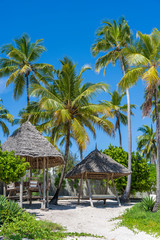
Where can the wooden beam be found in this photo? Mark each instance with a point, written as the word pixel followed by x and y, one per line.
pixel 81 189
pixel 89 192
pixel 21 193
pixel 44 186
pixel 119 203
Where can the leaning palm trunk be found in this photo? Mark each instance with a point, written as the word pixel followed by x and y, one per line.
pixel 158 158
pixel 54 200
pixel 126 193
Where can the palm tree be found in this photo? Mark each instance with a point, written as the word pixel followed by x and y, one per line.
pixel 118 111
pixel 5 117
pixel 145 59
pixel 147 143
pixel 65 108
pixel 112 39
pixel 20 66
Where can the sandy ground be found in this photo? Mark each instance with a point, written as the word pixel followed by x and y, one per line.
pixel 83 218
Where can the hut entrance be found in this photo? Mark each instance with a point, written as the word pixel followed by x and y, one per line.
pixel 97 166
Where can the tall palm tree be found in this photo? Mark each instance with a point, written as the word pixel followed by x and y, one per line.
pixel 145 59
pixel 21 68
pixel 112 39
pixel 118 111
pixel 147 143
pixel 4 117
pixel 65 107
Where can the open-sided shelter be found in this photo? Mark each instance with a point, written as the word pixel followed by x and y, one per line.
pixel 97 166
pixel 28 142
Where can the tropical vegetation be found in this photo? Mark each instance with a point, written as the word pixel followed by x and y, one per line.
pixel 147 143
pixel 118 111
pixel 112 40
pixel 64 108
pixel 20 65
pixel 144 59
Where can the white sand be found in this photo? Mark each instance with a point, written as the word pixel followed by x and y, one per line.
pixel 97 220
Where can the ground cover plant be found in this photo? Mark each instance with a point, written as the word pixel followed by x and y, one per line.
pixel 141 218
pixel 17 224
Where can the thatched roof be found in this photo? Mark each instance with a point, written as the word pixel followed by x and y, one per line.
pixel 28 142
pixel 98 166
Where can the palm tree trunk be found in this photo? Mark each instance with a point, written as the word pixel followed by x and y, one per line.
pixel 158 158
pixel 126 193
pixel 27 83
pixel 54 200
pixel 120 136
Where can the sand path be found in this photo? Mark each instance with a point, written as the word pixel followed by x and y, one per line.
pixel 97 220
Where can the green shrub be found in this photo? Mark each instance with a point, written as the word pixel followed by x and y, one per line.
pixel 12 167
pixel 140 170
pixel 26 226
pixel 148 203
pixel 8 210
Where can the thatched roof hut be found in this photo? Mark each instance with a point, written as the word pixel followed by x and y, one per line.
pixel 28 142
pixel 98 165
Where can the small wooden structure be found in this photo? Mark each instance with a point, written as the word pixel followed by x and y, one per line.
pixel 28 142
pixel 97 166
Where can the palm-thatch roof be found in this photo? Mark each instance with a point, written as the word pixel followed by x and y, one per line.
pixel 28 142
pixel 98 166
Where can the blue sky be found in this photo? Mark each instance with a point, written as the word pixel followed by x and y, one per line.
pixel 68 29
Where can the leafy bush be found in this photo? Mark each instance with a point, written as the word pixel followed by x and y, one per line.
pixel 140 170
pixel 12 167
pixel 148 203
pixel 8 210
pixel 26 226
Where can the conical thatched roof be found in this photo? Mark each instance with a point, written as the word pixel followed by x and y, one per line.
pixel 28 142
pixel 98 166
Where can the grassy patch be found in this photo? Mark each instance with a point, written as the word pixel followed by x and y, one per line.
pixel 137 218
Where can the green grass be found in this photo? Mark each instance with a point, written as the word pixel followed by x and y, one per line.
pixel 137 218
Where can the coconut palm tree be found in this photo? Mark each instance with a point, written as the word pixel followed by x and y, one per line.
pixel 118 111
pixel 4 117
pixel 145 59
pixel 20 65
pixel 65 108
pixel 147 143
pixel 112 40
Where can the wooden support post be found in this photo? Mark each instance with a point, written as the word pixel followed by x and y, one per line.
pixel 107 184
pixel 81 189
pixel 89 192
pixel 119 203
pixel 47 190
pixel 30 176
pixel 44 186
pixel 21 193
pixel 4 190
